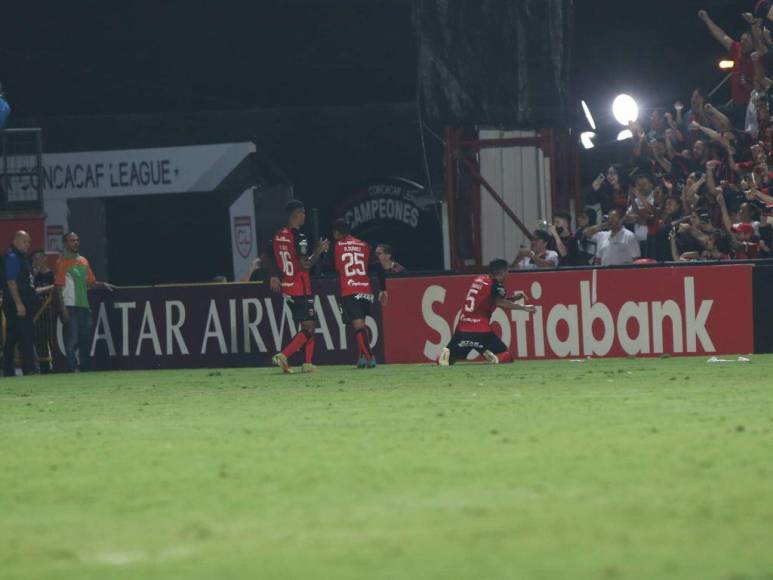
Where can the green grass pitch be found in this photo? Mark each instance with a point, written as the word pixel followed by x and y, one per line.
pixel 651 469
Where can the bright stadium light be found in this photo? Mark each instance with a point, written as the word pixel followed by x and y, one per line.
pixel 588 116
pixel 586 138
pixel 625 109
pixel 726 64
pixel 624 134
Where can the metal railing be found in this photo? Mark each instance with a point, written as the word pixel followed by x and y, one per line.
pixel 44 332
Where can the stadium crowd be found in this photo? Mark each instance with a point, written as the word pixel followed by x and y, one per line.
pixel 697 185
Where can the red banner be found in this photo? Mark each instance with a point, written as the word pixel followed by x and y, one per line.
pixel 580 313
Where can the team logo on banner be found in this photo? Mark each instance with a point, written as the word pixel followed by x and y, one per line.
pixel 243 235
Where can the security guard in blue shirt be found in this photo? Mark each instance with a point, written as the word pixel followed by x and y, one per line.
pixel 19 305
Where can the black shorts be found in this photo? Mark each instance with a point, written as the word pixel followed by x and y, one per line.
pixel 302 308
pixel 463 342
pixel 355 307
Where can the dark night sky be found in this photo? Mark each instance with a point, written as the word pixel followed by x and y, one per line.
pixel 139 56
pixel 144 56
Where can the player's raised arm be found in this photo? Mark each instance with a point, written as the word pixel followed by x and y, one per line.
pixel 308 262
pixel 719 34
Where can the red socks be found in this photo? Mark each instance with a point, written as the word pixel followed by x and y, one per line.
pixel 362 343
pixel 296 343
pixel 505 357
pixel 310 349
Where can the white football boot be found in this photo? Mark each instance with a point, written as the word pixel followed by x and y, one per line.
pixel 490 357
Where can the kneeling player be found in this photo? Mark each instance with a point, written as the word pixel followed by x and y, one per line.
pixel 474 332
pixel 352 262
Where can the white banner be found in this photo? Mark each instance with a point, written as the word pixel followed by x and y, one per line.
pixel 197 168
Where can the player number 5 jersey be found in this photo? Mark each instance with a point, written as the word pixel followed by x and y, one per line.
pixel 479 304
pixel 352 257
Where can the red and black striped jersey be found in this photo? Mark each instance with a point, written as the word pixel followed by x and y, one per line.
pixel 479 304
pixel 289 247
pixel 352 260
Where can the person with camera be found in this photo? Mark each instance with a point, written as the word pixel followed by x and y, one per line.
pixel 562 240
pixel 610 189
pixel 537 255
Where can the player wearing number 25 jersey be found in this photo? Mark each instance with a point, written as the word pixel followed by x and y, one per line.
pixel 474 332
pixel 290 276
pixel 351 258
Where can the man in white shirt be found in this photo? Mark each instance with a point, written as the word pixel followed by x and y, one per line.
pixel 615 245
pixel 538 256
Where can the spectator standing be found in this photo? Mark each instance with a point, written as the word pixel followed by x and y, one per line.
pixel 5 109
pixel 670 217
pixel 742 79
pixel 538 255
pixel 73 279
pixel 695 114
pixel 19 306
pixel 643 211
pixel 586 248
pixel 43 276
pixel 384 255
pixel 562 240
pixel 615 245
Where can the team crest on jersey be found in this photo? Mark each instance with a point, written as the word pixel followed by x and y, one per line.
pixel 303 247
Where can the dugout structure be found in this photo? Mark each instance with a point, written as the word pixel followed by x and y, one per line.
pixel 157 215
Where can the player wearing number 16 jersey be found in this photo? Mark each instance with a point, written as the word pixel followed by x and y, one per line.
pixel 351 258
pixel 474 332
pixel 290 276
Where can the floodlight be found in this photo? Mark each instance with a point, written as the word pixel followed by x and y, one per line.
pixel 625 109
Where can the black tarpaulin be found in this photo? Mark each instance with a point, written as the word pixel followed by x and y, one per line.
pixel 493 61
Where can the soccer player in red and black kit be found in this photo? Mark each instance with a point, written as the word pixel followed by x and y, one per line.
pixel 351 257
pixel 473 332
pixel 292 262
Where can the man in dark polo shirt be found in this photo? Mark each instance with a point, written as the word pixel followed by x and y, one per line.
pixel 19 306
